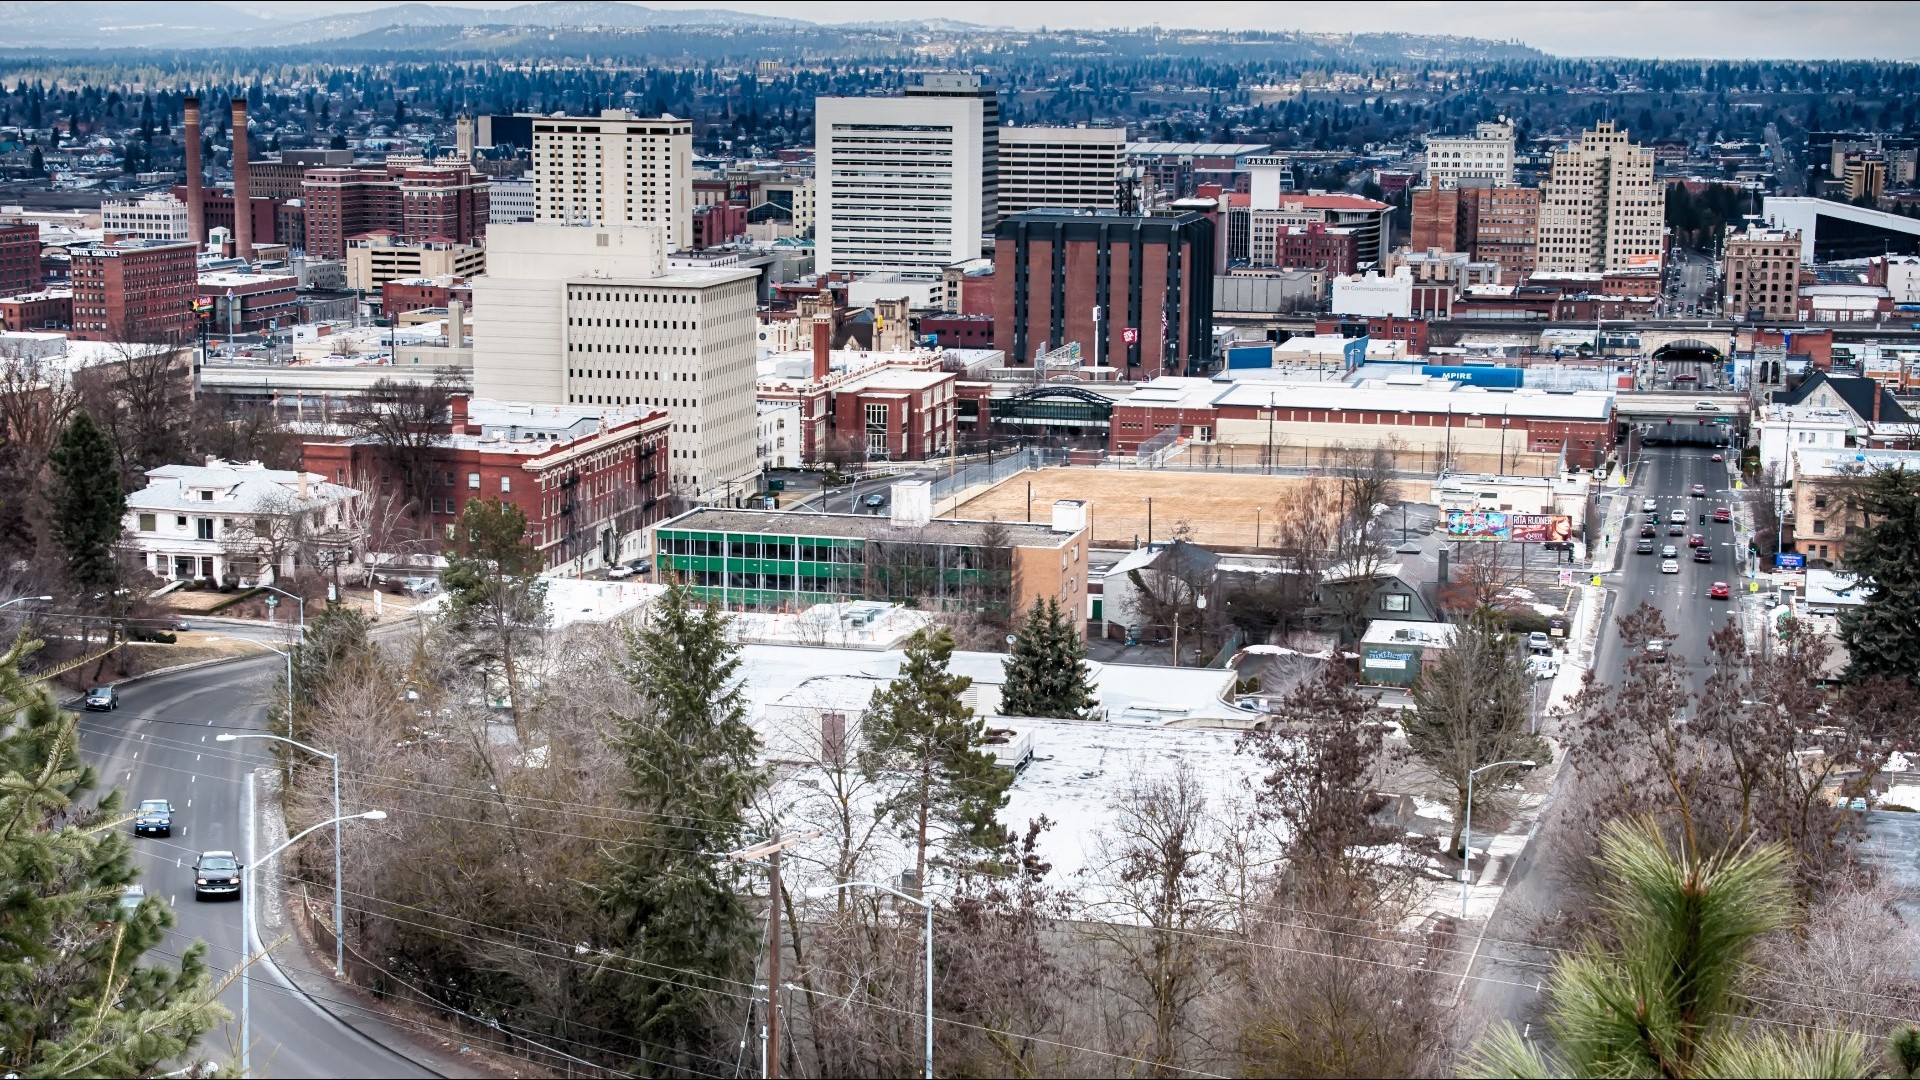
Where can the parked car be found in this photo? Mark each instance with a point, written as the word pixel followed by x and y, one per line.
pixel 1539 642
pixel 620 572
pixel 216 873
pixel 1718 591
pixel 1723 514
pixel 1645 547
pixel 1669 567
pixel 154 818
pixel 102 699
pixel 1703 554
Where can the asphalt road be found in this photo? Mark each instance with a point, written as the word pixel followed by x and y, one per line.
pixel 1506 976
pixel 1693 284
pixel 160 744
pixel 852 499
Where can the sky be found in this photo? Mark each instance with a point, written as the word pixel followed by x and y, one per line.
pixel 1690 28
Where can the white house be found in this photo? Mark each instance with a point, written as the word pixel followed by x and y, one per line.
pixel 240 523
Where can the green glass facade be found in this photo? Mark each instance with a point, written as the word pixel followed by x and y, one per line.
pixel 770 571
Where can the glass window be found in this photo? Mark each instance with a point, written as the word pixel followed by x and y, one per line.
pixel 146 523
pixel 1396 602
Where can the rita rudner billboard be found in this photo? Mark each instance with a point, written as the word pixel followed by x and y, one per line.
pixel 1503 526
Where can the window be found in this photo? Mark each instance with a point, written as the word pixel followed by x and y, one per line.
pixel 1400 602
pixel 206 495
pixel 506 484
pixel 473 480
pixel 146 523
pixel 180 521
pixel 203 528
pixel 1819 526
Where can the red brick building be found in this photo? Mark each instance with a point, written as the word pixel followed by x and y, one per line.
pixel 1315 247
pixel 589 486
pixel 401 295
pixel 958 331
pixel 134 290
pixel 270 216
pixel 1379 328
pixel 1492 224
pixel 717 223
pixel 895 407
pixel 19 258
pixel 48 309
pixel 1151 279
pixel 412 201
pixel 249 303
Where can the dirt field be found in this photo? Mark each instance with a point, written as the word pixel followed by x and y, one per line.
pixel 1227 457
pixel 1220 506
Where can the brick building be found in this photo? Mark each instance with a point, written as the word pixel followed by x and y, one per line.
pixel 19 257
pixel 413 201
pixel 590 481
pixel 863 406
pixel 1306 247
pixel 1379 328
pixel 1491 224
pixel 1762 274
pixel 717 223
pixel 1151 279
pixel 272 218
pixel 249 303
pixel 133 290
pixel 402 295
pixel 48 309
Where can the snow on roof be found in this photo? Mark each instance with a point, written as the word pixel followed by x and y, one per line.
pixel 237 488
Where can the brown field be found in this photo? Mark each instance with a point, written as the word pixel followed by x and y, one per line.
pixel 1221 507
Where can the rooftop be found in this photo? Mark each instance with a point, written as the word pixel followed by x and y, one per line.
pixel 237 487
pixel 947 531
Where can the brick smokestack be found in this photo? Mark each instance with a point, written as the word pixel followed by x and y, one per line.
pixel 822 344
pixel 242 198
pixel 196 199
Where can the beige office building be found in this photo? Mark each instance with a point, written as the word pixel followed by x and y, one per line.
pixel 592 315
pixel 378 258
pixel 1762 274
pixel 1062 167
pixel 615 169
pixel 1600 210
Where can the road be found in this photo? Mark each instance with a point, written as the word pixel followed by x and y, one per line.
pixel 160 744
pixel 1506 975
pixel 1790 173
pixel 1692 285
pixel 852 498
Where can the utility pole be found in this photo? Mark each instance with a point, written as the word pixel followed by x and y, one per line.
pixel 770 851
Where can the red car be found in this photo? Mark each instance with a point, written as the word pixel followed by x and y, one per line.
pixel 1718 591
pixel 1717 457
pixel 1699 491
pixel 1696 540
pixel 1723 513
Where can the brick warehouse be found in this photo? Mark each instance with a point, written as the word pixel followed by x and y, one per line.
pixel 1150 277
pixel 590 480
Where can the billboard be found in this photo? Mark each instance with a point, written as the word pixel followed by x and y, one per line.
pixel 1500 525
pixel 1785 560
pixel 1354 352
pixel 1250 356
pixel 1476 375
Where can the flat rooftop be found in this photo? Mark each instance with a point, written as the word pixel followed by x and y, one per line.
pixel 956 531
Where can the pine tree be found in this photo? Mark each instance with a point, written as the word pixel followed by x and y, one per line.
pixel 1882 636
pixel 685 932
pixel 494 592
pixel 919 733
pixel 88 503
pixel 1047 672
pixel 74 998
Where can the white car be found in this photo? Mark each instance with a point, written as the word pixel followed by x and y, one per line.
pixel 1705 406
pixel 1648 506
pixel 1670 566
pixel 1678 517
pixel 619 572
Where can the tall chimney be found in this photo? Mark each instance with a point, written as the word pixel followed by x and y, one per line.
pixel 822 344
pixel 242 197
pixel 196 198
pixel 456 320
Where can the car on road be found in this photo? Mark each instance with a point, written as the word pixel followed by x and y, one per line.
pixel 216 873
pixel 1668 551
pixel 1696 540
pixel 619 572
pixel 1676 529
pixel 1648 506
pixel 1539 642
pixel 1678 517
pixel 1699 491
pixel 1669 566
pixel 874 501
pixel 1705 406
pixel 1648 530
pixel 1718 591
pixel 1645 547
pixel 1655 651
pixel 1718 457
pixel 154 818
pixel 1703 554
pixel 102 699
pixel 130 898
pixel 1543 667
pixel 1723 514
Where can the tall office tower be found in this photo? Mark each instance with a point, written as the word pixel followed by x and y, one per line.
pixel 615 169
pixel 906 184
pixel 1599 209
pixel 591 315
pixel 1493 224
pixel 1487 154
pixel 1075 168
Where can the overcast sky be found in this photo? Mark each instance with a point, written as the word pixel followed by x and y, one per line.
pixel 1731 30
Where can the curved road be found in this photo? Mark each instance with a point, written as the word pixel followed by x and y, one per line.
pixel 160 744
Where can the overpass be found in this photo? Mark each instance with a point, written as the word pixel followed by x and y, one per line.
pixel 1677 418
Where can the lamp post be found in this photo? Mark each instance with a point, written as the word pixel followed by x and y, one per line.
pixel 25 599
pixel 924 903
pixel 287 654
pixel 1466 835
pixel 296 599
pixel 339 916
pixel 246 918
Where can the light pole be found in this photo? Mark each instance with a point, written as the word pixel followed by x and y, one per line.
pixel 24 599
pixel 339 909
pixel 296 599
pixel 828 890
pixel 288 655
pixel 1466 835
pixel 246 919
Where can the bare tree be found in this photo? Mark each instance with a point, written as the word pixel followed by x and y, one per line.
pixel 242 431
pixel 1365 475
pixel 406 419
pixel 1767 498
pixel 36 401
pixel 142 397
pixel 1174 592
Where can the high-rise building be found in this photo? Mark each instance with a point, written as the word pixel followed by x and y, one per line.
pixel 906 184
pixel 134 290
pixel 615 169
pixel 1865 176
pixel 405 196
pixel 377 258
pixel 19 258
pixel 1762 273
pixel 1599 209
pixel 1368 220
pixel 156 216
pixel 1487 154
pixel 510 200
pixel 1136 293
pixel 1069 167
pixel 1497 224
pixel 591 315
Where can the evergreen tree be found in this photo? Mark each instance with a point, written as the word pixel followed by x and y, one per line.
pixel 922 737
pixel 74 998
pixel 1047 671
pixel 87 503
pixel 686 934
pixel 1882 636
pixel 494 593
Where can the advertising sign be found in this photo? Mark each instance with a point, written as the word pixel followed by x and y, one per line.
pixel 1789 561
pixel 1501 525
pixel 1355 352
pixel 1130 335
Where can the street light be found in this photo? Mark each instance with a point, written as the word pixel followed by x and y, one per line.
pixel 296 599
pixel 288 654
pixel 24 599
pixel 246 919
pixel 1466 836
pixel 828 890
pixel 339 917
